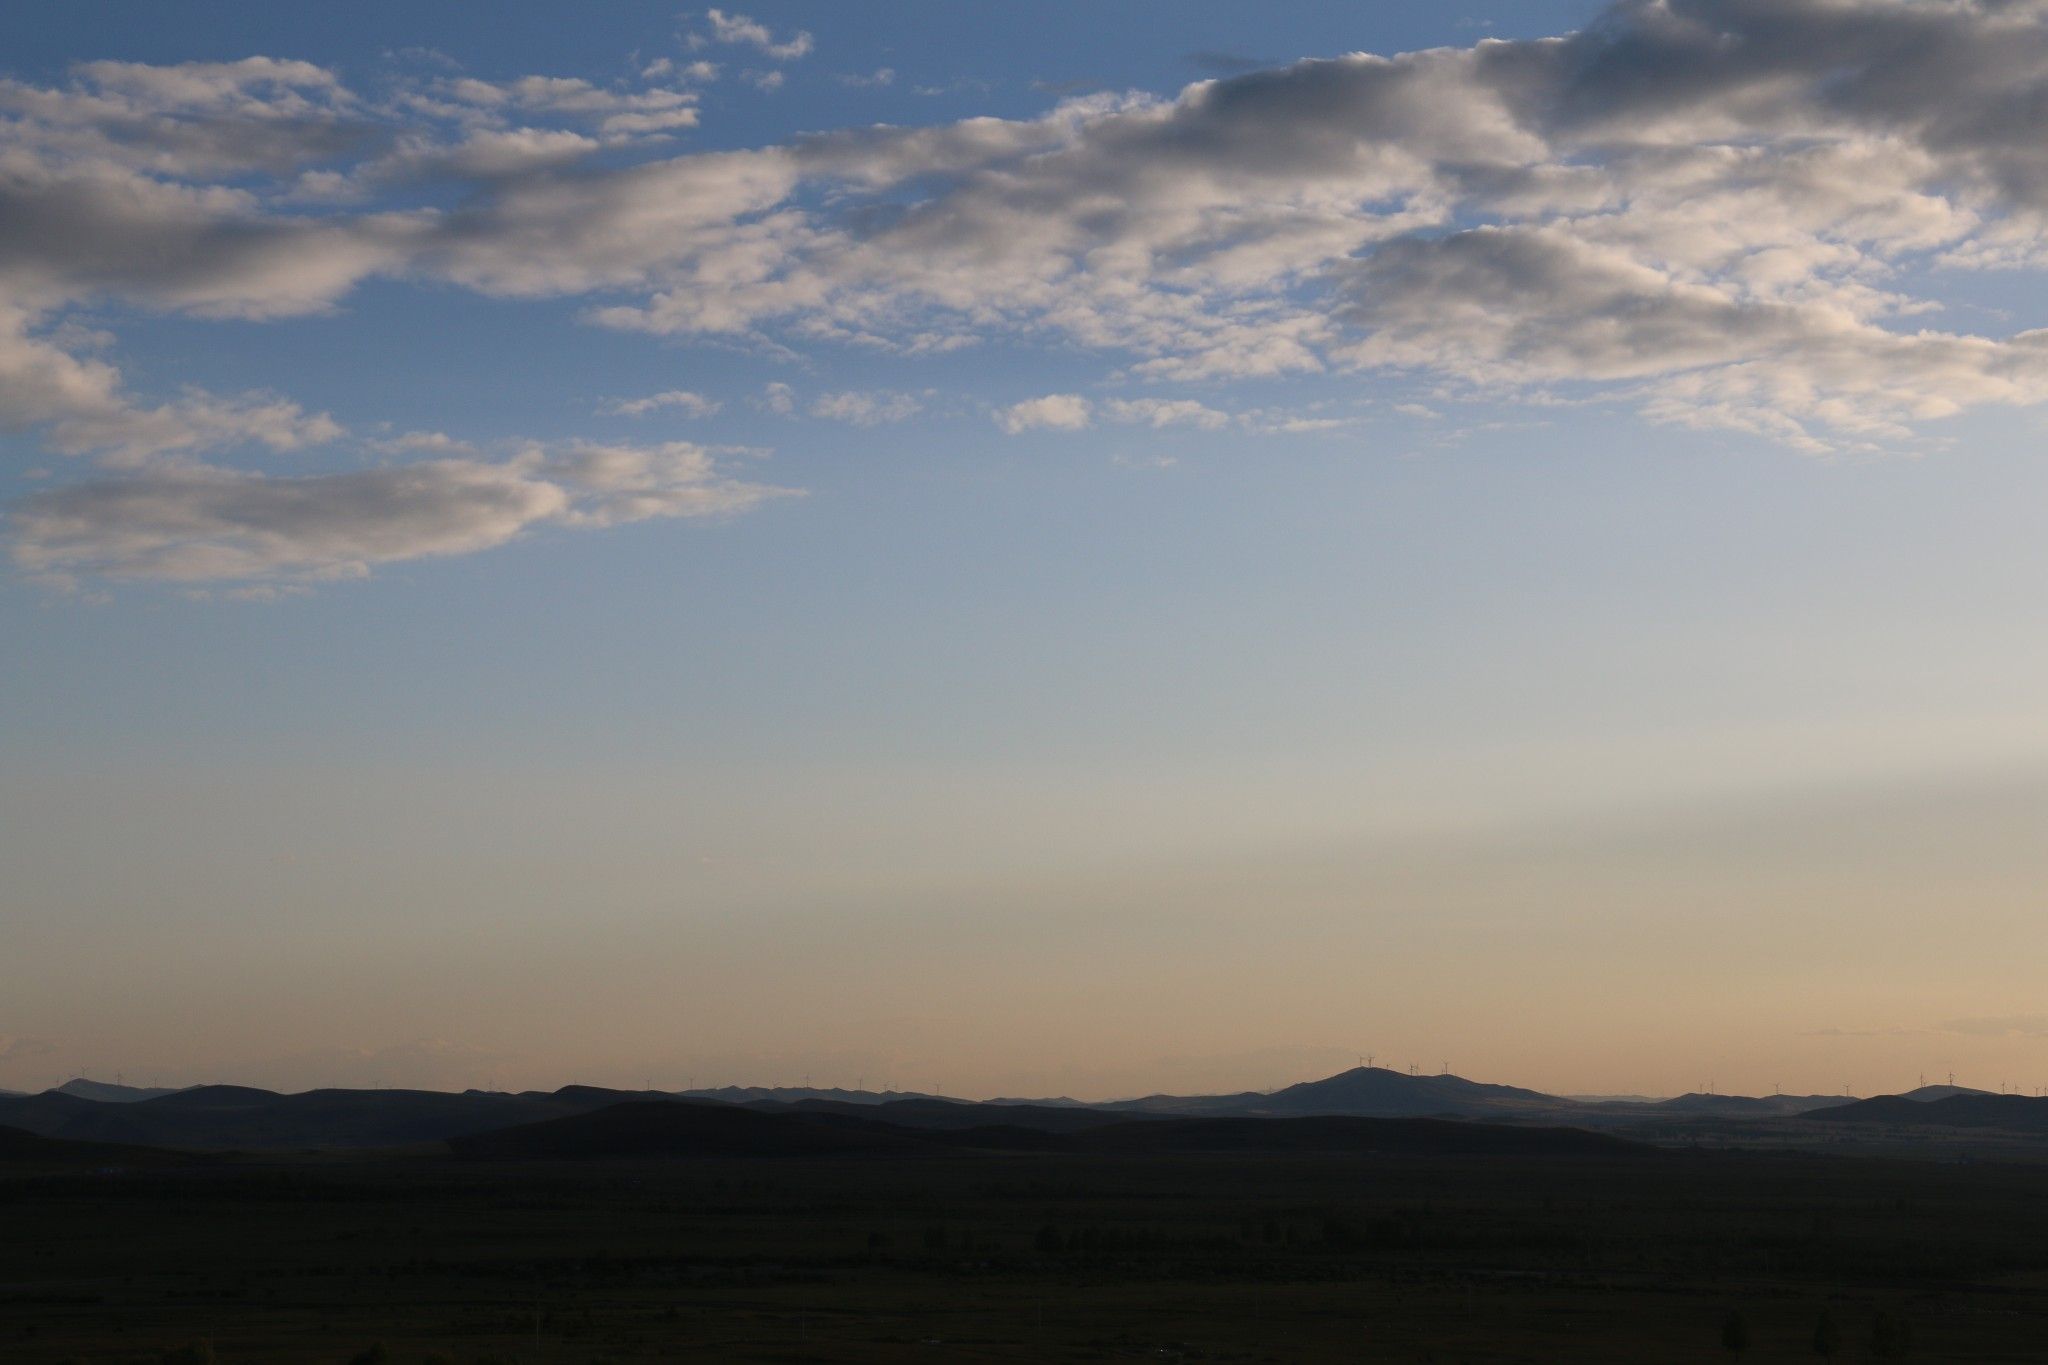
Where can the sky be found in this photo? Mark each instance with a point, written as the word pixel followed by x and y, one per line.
pixel 1065 549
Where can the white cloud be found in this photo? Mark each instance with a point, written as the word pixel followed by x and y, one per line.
pixel 1161 412
pixel 738 28
pixel 684 401
pixel 1055 411
pixel 612 110
pixel 422 443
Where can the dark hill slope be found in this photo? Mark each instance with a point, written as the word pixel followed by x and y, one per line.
pixel 1405 1136
pixel 951 1115
pixel 19 1149
pixel 240 1118
pixel 682 1128
pixel 46 1114
pixel 2012 1113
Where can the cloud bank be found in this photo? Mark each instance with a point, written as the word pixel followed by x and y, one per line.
pixel 1724 213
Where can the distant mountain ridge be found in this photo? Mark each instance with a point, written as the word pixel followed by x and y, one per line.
pixel 107 1092
pixel 229 1117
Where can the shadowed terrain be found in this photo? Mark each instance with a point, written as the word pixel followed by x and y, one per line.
pixel 587 1226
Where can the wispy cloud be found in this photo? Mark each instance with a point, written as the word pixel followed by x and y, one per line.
pixel 866 409
pixel 738 28
pixel 15 1047
pixel 683 401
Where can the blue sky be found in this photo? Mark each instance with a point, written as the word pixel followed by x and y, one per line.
pixel 1527 554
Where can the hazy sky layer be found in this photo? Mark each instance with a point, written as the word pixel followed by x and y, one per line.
pixel 1064 548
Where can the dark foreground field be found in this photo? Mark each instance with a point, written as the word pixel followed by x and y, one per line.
pixel 1022 1257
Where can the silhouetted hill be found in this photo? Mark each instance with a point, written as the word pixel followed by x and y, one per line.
pixel 1942 1092
pixel 685 1128
pixel 244 1118
pixel 108 1093
pixel 211 1097
pixel 2012 1113
pixel 229 1117
pixel 1365 1092
pixel 1333 1133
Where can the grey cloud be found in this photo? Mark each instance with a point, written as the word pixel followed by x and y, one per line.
pixel 198 119
pixel 76 233
pixel 196 523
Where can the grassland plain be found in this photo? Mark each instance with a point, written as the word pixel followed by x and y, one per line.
pixel 417 1258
